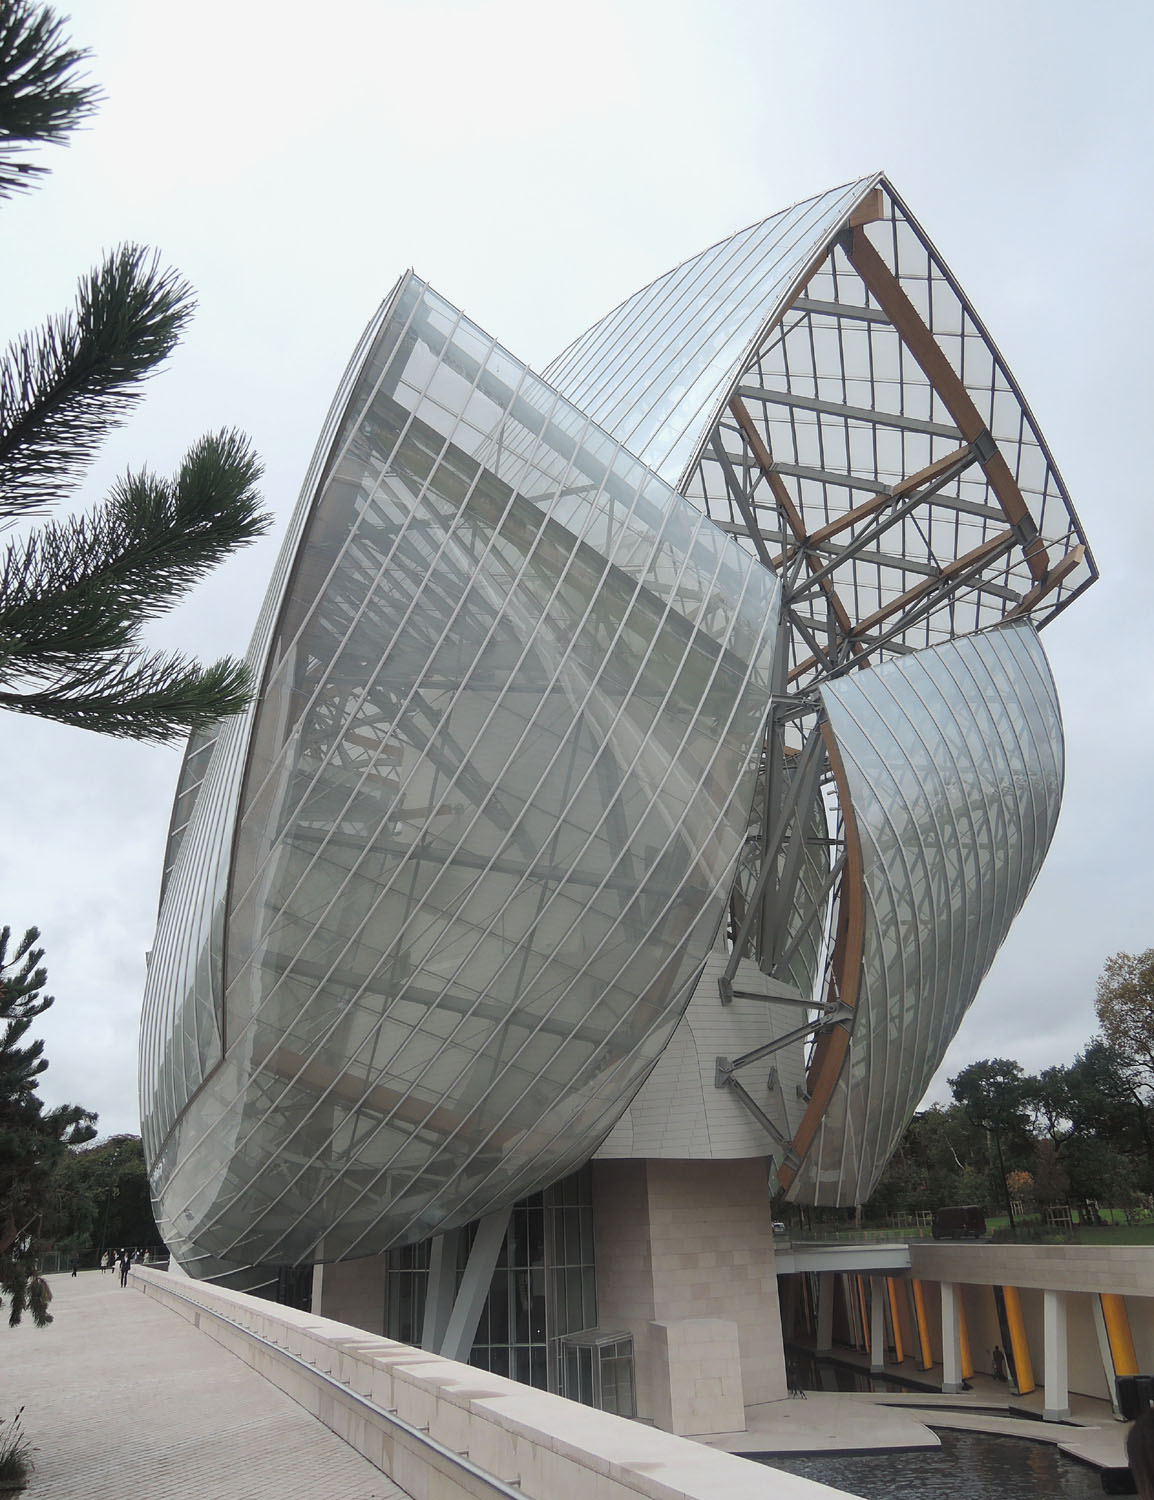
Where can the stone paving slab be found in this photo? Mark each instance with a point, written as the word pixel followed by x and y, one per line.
pixel 860 1421
pixel 823 1423
pixel 123 1398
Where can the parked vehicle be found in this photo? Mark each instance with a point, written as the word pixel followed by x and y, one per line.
pixel 962 1223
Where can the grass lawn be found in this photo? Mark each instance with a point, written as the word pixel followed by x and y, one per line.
pixel 1114 1232
pixel 1117 1234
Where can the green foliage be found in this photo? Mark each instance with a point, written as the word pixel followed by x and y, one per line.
pixel 33 1140
pixel 102 1198
pixel 15 1451
pixel 1074 1132
pixel 42 98
pixel 1125 1007
pixel 75 596
pixel 993 1094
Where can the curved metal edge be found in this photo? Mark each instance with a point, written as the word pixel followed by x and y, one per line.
pixel 832 1046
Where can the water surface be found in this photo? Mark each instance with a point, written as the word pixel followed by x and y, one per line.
pixel 972 1465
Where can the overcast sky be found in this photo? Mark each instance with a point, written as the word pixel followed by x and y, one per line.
pixel 537 163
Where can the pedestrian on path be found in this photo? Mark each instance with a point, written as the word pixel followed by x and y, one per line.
pixel 75 1264
pixel 125 1262
pixel 999 1361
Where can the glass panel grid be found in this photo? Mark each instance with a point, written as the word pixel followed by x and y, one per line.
pixel 496 787
pixel 953 760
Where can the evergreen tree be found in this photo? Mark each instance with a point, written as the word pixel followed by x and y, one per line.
pixel 74 595
pixel 33 1140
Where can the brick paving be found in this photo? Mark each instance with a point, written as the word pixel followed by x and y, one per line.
pixel 127 1401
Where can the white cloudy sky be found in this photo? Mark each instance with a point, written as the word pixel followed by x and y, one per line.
pixel 537 163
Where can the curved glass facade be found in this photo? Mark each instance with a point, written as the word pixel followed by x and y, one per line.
pixel 561 691
pixel 492 800
pixel 655 370
pixel 953 763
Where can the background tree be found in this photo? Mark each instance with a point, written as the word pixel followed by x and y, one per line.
pixel 993 1094
pixel 101 1199
pixel 33 1141
pixel 75 595
pixel 942 1159
pixel 1125 1007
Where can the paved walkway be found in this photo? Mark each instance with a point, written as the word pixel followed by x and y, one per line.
pixel 123 1398
pixel 860 1421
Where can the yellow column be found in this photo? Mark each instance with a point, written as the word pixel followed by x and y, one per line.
pixel 923 1325
pixel 1118 1332
pixel 1023 1367
pixel 964 1338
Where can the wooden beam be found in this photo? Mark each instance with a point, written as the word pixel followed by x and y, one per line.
pixel 899 492
pixel 972 559
pixel 845 974
pixel 989 548
pixel 786 505
pixel 871 207
pixel 884 285
pixel 1057 574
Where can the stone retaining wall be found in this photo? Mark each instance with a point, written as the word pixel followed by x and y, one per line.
pixel 445 1431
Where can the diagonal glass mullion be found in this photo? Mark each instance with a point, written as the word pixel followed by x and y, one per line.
pixel 669 770
pixel 719 885
pixel 592 518
pixel 465 1018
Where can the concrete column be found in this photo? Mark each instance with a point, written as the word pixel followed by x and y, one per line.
pixel 1057 1406
pixel 441 1289
pixel 688 1240
pixel 461 1328
pixel 877 1324
pixel 825 1291
pixel 951 1340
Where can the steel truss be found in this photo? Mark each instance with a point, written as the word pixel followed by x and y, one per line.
pixel 856 457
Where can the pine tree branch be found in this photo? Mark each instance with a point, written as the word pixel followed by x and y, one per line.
pixel 141 696
pixel 42 100
pixel 76 589
pixel 63 387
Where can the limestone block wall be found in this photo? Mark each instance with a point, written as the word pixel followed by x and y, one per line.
pixel 352 1291
pixel 689 1239
pixel 698 1389
pixel 445 1431
pixel 678 1114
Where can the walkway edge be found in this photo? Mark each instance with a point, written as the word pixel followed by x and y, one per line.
pixel 409 1413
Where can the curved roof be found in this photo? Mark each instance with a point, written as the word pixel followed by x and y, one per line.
pixel 654 370
pixel 952 762
pixel 433 907
pixel 818 383
pixel 494 791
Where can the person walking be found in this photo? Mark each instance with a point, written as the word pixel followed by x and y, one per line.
pixel 999 1362
pixel 125 1262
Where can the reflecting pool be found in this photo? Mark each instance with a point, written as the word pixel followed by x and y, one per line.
pixel 970 1464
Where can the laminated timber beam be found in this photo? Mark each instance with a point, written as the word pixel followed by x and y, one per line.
pixel 882 284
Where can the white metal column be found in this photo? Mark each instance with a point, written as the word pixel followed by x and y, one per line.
pixel 951 1340
pixel 1057 1407
pixel 877 1324
pixel 474 1288
pixel 441 1289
